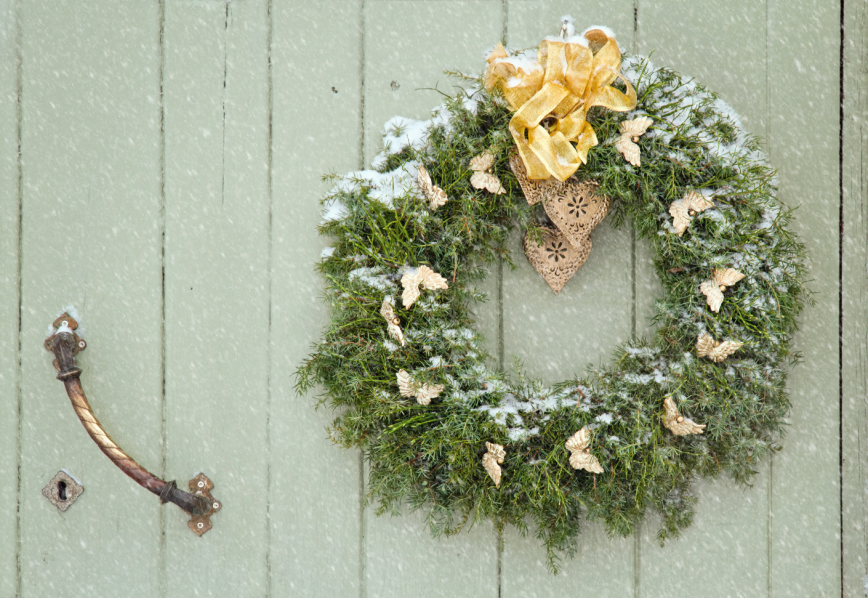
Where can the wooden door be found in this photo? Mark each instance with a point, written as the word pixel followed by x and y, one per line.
pixel 160 167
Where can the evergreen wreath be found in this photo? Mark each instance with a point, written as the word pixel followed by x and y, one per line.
pixel 415 389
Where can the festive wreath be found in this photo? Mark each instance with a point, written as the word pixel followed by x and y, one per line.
pixel 551 140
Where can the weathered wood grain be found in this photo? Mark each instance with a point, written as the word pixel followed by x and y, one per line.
pixel 803 57
pixel 9 295
pixel 408 45
pixel 215 94
pixel 314 495
pixel 728 541
pixel 854 287
pixel 91 238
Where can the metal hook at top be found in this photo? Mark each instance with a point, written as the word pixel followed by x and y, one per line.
pixel 568 28
pixel 66 344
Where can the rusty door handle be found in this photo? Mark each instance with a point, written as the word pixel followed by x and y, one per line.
pixel 199 503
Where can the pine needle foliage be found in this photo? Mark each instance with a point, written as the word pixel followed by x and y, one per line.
pixel 430 456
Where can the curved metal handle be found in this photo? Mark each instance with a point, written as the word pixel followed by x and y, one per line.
pixel 65 344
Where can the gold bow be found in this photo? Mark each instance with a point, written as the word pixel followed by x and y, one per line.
pixel 565 81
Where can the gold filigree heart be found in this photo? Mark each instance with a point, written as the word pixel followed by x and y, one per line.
pixel 534 191
pixel 577 210
pixel 556 259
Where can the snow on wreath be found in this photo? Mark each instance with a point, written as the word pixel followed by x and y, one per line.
pixel 551 141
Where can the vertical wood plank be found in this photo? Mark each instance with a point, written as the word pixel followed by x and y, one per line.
pixel 408 45
pixel 314 497
pixel 217 287
pixel 804 47
pixel 728 540
pixel 557 336
pixel 91 237
pixel 9 295
pixel 854 444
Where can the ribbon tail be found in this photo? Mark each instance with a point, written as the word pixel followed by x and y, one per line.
pixel 556 152
pixel 585 141
pixel 578 130
pixel 536 170
pixel 611 98
pixel 527 121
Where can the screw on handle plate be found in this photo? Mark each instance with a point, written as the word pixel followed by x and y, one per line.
pixel 202 486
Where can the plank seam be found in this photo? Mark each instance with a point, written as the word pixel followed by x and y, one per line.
pixel 19 266
pixel 504 15
pixel 853 286
pixel 363 590
pixel 362 135
pixel 223 105
pixel 841 298
pixel 637 541
pixel 270 186
pixel 162 582
pixel 500 324
pixel 863 53
pixel 771 462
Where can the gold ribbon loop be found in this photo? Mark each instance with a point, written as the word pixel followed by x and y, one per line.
pixel 562 84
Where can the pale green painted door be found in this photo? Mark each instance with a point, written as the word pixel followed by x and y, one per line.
pixel 160 168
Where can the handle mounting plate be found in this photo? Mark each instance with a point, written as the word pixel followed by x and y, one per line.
pixel 202 486
pixel 69 322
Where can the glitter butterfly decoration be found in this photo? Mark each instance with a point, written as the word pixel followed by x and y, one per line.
pixel 435 195
pixel 388 312
pixel 713 289
pixel 630 131
pixel 677 423
pixel 580 454
pixel 490 461
pixel 424 276
pixel 423 394
pixel 683 210
pixel 714 350
pixel 482 178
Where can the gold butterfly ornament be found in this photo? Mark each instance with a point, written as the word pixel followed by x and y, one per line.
pixel 435 195
pixel 392 321
pixel 677 423
pixel 423 393
pixel 683 210
pixel 716 351
pixel 482 177
pixel 491 459
pixel 580 453
pixel 630 131
pixel 721 279
pixel 422 276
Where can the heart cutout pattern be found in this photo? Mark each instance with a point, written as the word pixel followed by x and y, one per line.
pixel 534 191
pixel 577 210
pixel 556 259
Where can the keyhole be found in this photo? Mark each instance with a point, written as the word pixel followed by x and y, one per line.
pixel 61 490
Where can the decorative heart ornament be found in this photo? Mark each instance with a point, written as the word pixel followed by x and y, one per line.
pixel 556 259
pixel 575 209
pixel 534 191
